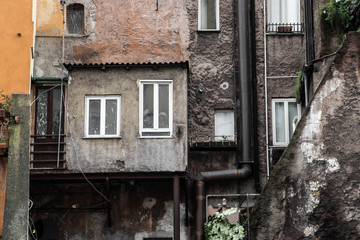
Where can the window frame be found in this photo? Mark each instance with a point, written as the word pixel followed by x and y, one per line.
pixel 156 128
pixel 280 26
pixel 217 17
pixel 102 99
pixel 80 6
pixel 286 102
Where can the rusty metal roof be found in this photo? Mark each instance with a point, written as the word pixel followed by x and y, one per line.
pixel 70 65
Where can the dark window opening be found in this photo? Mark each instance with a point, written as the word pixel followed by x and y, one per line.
pixel 45 229
pixel 75 19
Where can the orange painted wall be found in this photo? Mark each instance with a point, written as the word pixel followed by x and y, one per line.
pixel 49 18
pixel 15 57
pixel 16 40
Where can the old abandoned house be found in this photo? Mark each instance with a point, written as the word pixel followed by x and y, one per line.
pixel 145 112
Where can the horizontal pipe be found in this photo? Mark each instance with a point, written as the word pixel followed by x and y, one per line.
pixel 225 174
pixel 231 174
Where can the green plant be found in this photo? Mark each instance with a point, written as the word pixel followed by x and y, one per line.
pixel 341 13
pixel 298 86
pixel 4 102
pixel 219 228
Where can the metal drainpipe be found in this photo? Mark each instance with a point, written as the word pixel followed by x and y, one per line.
pixel 231 174
pixel 244 104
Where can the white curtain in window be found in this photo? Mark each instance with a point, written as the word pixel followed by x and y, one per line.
pixel 208 14
pixel 280 122
pixel 224 125
pixel 283 11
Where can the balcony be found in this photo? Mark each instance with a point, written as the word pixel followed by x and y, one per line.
pixel 280 28
pixel 213 143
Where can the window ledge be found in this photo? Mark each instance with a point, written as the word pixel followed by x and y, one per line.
pixel 208 30
pixel 285 34
pixel 102 137
pixel 68 35
pixel 157 137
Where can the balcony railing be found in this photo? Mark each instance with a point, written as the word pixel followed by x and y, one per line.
pixel 217 141
pixel 285 28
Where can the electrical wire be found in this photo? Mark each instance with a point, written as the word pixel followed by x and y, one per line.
pixel 37 98
pixel 78 163
pixel 32 229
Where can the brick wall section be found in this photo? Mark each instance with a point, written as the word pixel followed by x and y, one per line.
pixel 313 192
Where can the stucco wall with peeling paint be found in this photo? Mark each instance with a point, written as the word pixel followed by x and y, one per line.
pixel 313 192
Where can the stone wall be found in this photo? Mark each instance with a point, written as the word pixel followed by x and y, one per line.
pixel 313 192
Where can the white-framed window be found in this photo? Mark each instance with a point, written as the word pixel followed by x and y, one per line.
pixel 285 116
pixel 284 15
pixel 224 125
pixel 102 116
pixel 155 108
pixel 208 15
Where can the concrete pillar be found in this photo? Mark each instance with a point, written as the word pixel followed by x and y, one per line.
pixel 16 215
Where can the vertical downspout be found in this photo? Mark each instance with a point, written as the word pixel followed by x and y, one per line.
pixel 254 92
pixel 176 195
pixel 61 85
pixel 310 53
pixel 243 87
pixel 266 97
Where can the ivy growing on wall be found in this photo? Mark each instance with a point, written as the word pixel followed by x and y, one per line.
pixel 219 228
pixel 298 86
pixel 342 13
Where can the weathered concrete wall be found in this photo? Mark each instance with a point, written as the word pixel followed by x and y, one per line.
pixel 115 31
pixel 130 153
pixel 313 192
pixel 138 209
pixel 212 68
pixel 285 55
pixel 17 190
pixel 3 169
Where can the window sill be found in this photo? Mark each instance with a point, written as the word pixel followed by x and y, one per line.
pixel 285 34
pixel 157 137
pixel 102 137
pixel 208 30
pixel 76 35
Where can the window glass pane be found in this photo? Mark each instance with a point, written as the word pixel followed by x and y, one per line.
pixel 224 125
pixel 110 118
pixel 148 106
pixel 56 93
pixel 163 105
pixel 292 113
pixel 41 112
pixel 75 19
pixel 208 14
pixel 94 117
pixel 279 122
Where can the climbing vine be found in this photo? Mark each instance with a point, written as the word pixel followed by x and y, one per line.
pixel 298 86
pixel 219 228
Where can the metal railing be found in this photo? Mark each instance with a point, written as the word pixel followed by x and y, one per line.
pixel 213 141
pixel 285 27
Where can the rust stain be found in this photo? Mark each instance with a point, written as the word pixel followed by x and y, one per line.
pixel 3 170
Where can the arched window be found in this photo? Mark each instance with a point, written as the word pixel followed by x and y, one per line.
pixel 75 19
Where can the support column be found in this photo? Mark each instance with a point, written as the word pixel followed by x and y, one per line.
pixel 176 190
pixel 17 188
